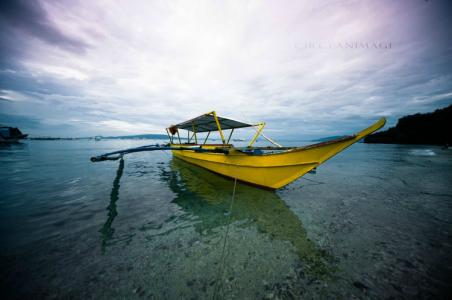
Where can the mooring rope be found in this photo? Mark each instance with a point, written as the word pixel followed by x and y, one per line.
pixel 220 271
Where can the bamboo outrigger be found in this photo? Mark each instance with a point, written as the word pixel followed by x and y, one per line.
pixel 269 167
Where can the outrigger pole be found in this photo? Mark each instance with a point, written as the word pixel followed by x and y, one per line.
pixel 120 153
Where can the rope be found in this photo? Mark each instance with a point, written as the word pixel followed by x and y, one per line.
pixel 220 271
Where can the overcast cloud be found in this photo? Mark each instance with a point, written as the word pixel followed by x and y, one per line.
pixel 307 68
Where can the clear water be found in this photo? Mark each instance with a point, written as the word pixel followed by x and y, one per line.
pixel 373 222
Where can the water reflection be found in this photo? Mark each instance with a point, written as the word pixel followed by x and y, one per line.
pixel 107 230
pixel 207 196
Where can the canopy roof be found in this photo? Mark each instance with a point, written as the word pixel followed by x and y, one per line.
pixel 207 122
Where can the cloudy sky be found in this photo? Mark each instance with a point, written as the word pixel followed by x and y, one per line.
pixel 307 68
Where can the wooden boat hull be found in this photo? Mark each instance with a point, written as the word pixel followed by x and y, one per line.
pixel 272 170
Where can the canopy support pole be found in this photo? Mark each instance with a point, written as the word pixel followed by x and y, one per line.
pixel 194 133
pixel 169 136
pixel 259 130
pixel 271 141
pixel 206 138
pixel 178 136
pixel 230 135
pixel 219 127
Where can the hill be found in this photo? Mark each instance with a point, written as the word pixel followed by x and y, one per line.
pixel 429 129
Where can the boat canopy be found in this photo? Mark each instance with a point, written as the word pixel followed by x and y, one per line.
pixel 209 122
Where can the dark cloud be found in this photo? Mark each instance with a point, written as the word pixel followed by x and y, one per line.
pixel 20 80
pixel 22 16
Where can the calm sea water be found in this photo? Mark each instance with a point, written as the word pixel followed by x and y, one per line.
pixel 373 222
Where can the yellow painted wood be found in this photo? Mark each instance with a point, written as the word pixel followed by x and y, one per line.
pixel 260 127
pixel 273 170
pixel 219 126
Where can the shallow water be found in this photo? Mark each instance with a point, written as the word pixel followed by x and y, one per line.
pixel 373 222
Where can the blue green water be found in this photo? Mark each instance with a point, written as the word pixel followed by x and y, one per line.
pixel 373 222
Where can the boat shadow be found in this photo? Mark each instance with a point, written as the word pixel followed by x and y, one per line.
pixel 207 196
pixel 107 230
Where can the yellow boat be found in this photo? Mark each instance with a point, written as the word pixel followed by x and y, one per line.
pixel 268 167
